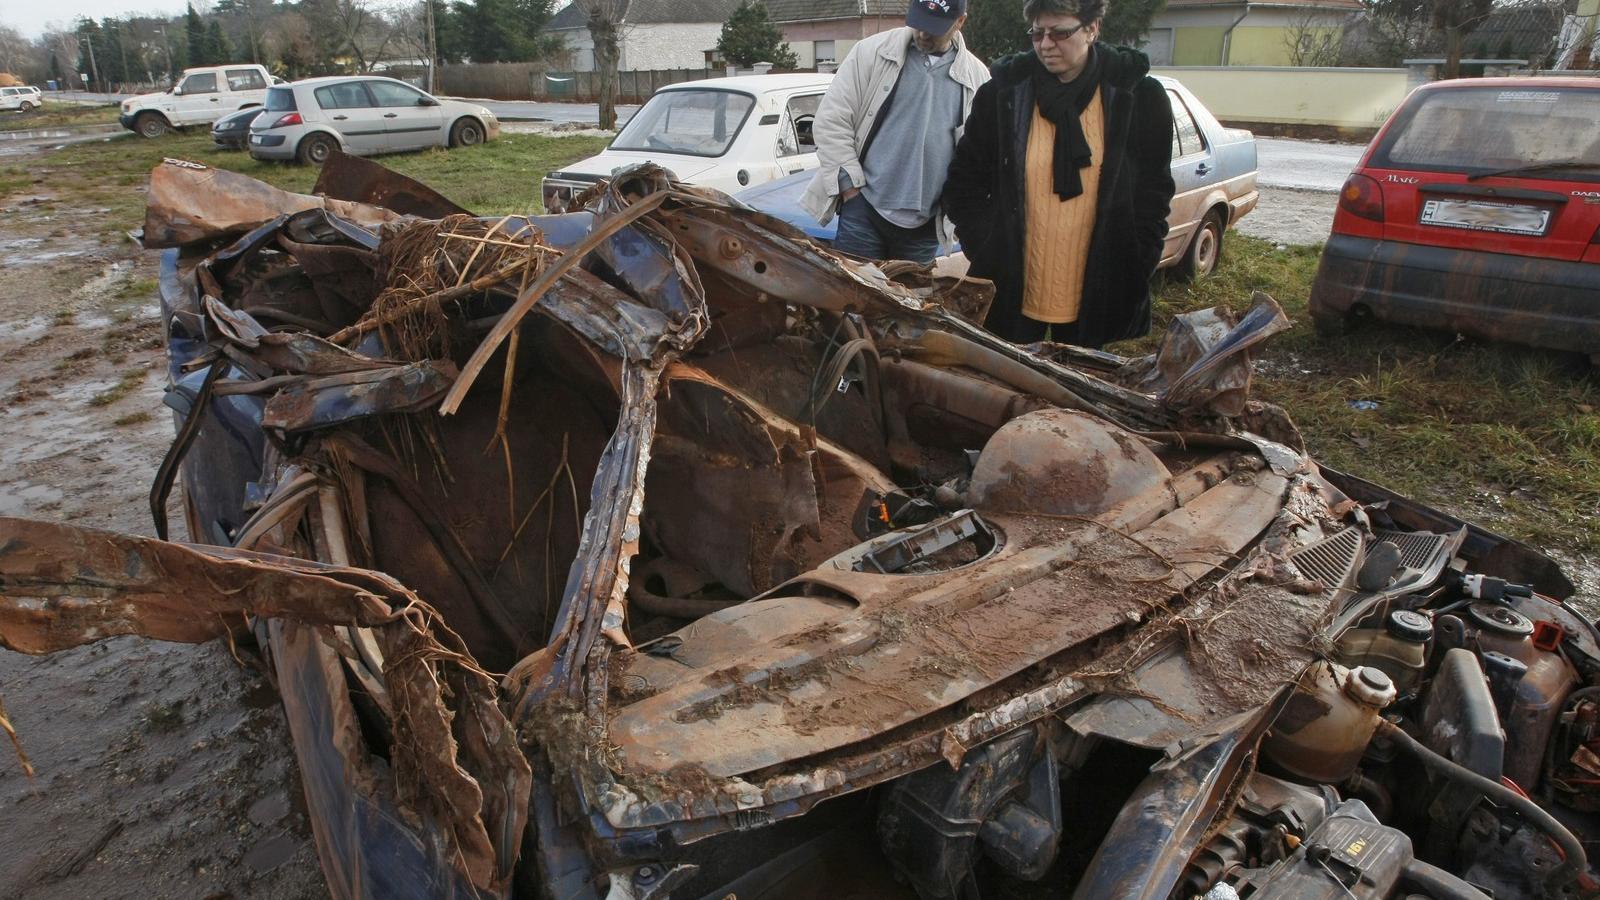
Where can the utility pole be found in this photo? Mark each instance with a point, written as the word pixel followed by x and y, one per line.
pixel 433 44
pixel 94 70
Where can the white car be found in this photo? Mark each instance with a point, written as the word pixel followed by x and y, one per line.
pixel 201 96
pixel 24 98
pixel 362 115
pixel 723 133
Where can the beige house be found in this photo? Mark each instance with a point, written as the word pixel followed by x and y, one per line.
pixel 823 31
pixel 1248 32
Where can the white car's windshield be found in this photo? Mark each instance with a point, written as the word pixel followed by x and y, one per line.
pixel 695 123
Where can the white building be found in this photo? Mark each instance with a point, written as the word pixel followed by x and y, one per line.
pixel 656 34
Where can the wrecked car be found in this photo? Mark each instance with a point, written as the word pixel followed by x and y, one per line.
pixel 650 550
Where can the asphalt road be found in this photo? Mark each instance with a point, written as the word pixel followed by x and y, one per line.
pixel 1304 165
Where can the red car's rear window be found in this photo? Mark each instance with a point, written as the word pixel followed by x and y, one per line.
pixel 1489 129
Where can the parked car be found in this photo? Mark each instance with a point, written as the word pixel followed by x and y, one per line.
pixel 24 98
pixel 1214 169
pixel 828 591
pixel 232 131
pixel 1476 210
pixel 723 133
pixel 365 115
pixel 201 96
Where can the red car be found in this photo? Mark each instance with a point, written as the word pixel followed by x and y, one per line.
pixel 1476 209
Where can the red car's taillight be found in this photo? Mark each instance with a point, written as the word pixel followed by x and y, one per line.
pixel 1362 196
pixel 288 119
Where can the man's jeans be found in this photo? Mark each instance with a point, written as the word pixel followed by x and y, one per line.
pixel 865 233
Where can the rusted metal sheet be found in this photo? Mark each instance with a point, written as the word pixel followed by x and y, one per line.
pixel 189 202
pixel 357 180
pixel 63 586
pixel 876 669
pixel 309 403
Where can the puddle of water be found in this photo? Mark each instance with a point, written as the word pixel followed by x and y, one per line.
pixel 271 853
pixel 22 498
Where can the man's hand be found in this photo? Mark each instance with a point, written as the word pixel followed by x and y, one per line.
pixel 848 195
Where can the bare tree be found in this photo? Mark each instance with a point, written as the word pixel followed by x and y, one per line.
pixel 605 31
pixel 1312 38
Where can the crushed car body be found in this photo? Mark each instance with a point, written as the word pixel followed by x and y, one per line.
pixel 650 550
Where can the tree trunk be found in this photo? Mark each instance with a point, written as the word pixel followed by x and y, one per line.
pixel 1454 38
pixel 604 35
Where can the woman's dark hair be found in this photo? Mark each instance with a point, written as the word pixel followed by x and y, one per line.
pixel 1086 11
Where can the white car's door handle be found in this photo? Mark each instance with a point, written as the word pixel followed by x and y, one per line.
pixel 390 115
pixel 340 118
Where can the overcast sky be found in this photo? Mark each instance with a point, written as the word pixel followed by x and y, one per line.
pixel 32 17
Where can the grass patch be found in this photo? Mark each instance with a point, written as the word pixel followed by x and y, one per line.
pixel 137 289
pixel 14 179
pixel 497 178
pixel 59 115
pixel 127 384
pixel 137 418
pixel 163 717
pixel 1507 437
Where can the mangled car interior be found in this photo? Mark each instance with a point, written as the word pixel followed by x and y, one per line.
pixel 650 550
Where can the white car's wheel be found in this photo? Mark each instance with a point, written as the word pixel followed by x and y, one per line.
pixel 466 133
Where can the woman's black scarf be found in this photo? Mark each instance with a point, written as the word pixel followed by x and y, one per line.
pixel 1062 103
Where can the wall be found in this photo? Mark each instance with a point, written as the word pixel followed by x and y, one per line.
pixel 801 36
pixel 1356 100
pixel 1201 36
pixel 529 81
pixel 1197 46
pixel 665 46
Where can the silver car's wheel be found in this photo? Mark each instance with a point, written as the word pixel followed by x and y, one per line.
pixel 1205 248
pixel 315 149
pixel 466 133
pixel 150 125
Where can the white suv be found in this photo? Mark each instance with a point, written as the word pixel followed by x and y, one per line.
pixel 200 97
pixel 22 98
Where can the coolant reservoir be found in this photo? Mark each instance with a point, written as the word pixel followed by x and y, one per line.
pixel 1399 648
pixel 1326 726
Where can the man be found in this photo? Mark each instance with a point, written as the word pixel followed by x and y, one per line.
pixel 886 131
pixel 1061 185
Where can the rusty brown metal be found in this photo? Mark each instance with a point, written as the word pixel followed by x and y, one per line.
pixel 190 202
pixel 358 180
pixel 62 586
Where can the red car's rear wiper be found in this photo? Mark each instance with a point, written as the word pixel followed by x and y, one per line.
pixel 1535 167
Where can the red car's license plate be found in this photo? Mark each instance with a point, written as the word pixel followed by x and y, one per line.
pixel 1480 215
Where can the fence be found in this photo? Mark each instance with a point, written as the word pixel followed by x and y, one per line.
pixel 530 81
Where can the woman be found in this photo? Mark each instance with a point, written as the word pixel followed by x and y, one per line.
pixel 1062 182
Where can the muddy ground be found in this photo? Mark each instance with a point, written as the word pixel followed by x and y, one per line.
pixel 163 770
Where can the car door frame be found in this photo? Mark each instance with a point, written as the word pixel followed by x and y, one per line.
pixel 411 126
pixel 199 108
pixel 1193 175
pixel 803 161
pixel 360 129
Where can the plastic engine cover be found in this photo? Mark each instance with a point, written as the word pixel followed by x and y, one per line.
pixel 1351 854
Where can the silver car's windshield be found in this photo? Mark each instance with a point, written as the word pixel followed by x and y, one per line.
pixel 694 123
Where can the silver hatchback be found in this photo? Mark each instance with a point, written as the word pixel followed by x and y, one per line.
pixel 362 115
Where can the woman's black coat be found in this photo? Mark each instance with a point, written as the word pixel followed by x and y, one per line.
pixel 984 195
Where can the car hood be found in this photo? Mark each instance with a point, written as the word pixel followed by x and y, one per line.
pixel 146 99
pixel 604 165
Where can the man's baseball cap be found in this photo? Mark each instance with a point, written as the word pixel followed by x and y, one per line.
pixel 935 16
